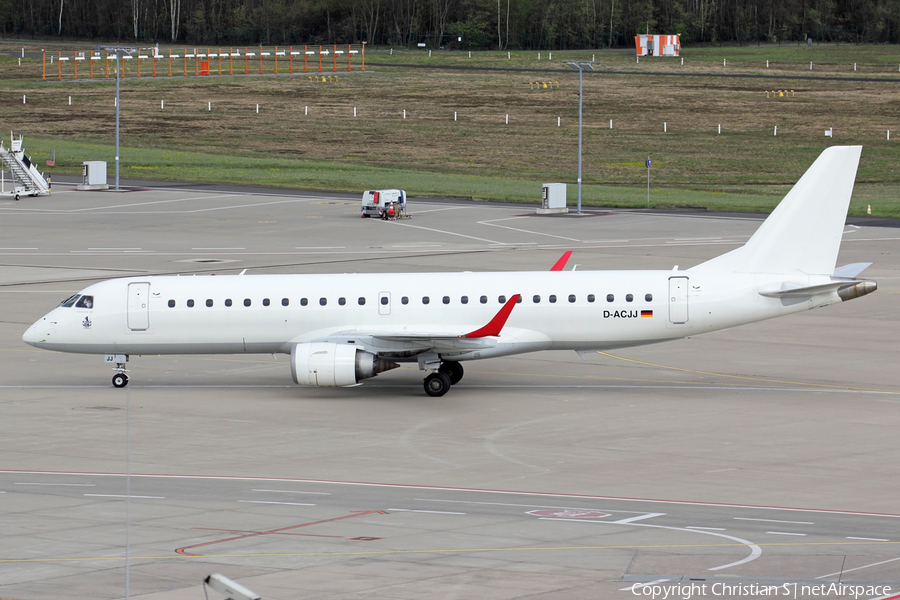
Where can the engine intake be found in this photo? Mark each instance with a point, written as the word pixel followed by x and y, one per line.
pixel 330 365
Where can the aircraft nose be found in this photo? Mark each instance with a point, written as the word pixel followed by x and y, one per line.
pixel 36 334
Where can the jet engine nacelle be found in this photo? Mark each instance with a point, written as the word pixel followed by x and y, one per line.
pixel 330 365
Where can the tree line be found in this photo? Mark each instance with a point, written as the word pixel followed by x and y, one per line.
pixel 456 24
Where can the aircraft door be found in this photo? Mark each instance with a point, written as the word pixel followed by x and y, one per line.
pixel 678 300
pixel 384 303
pixel 139 306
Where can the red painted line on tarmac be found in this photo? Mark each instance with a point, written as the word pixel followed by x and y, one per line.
pixel 456 489
pixel 275 533
pixel 184 550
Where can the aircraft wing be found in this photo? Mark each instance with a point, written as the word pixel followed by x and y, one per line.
pixel 483 337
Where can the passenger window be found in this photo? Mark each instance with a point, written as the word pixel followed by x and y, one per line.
pixel 483 299
pixel 362 301
pixel 464 300
pixel 571 297
pixel 648 297
pixel 265 301
pixel 246 301
pixel 171 304
pixel 610 298
pixel 342 301
pixel 446 299
pixel 227 301
pixel 519 299
pixel 209 302
pixel 323 301
pixel 629 297
pixel 384 300
pixel 501 299
pixel 285 301
pixel 536 299
pixel 552 298
pixel 591 298
pixel 85 302
pixel 404 300
pixel 68 302
pixel 425 300
pixel 303 301
pixel 190 303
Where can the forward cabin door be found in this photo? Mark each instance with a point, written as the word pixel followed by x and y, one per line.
pixel 678 300
pixel 138 306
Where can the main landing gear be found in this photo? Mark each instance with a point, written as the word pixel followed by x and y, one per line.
pixel 120 380
pixel 438 383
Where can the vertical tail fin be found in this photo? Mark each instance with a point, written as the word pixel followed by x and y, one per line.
pixel 803 233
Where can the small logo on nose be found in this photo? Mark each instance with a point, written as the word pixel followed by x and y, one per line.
pixel 86 323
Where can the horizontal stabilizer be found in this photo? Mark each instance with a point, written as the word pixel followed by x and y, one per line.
pixel 847 289
pixel 851 270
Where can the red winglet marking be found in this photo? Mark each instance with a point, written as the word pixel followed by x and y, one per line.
pixel 561 263
pixel 497 323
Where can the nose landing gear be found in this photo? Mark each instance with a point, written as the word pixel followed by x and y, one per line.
pixel 120 379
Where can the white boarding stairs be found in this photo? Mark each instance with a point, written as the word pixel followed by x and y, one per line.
pixel 26 179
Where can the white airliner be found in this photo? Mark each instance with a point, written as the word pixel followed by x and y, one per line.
pixel 341 329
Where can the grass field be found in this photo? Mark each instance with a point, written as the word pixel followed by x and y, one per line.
pixel 305 133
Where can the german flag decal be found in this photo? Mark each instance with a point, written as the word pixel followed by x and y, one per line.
pixel 646 313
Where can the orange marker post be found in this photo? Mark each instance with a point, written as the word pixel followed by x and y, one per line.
pixel 107 65
pixel 75 64
pixel 154 63
pixel 170 62
pixel 320 59
pixel 246 59
pixel 291 60
pixel 348 57
pixel 185 61
pixel 305 49
pixel 139 63
pixel 92 65
pixel 334 57
pixel 44 66
pixel 230 61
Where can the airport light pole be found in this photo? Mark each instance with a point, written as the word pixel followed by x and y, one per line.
pixel 118 50
pixel 581 66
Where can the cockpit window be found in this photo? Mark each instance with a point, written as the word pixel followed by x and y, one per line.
pixel 85 302
pixel 69 301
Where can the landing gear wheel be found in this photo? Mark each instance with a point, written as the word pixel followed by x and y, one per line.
pixel 453 370
pixel 437 384
pixel 17 197
pixel 120 380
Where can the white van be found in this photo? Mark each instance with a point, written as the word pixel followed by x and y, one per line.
pixel 376 202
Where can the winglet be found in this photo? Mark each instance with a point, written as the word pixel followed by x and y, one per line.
pixel 497 323
pixel 561 263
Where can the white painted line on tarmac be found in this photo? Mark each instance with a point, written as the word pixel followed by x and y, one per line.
pixel 638 518
pixel 559 237
pixel 123 496
pixel 293 492
pixel 868 539
pixel 218 248
pixel 525 505
pixel 774 521
pixel 785 533
pixel 884 562
pixel 265 502
pixel 706 528
pixel 19 248
pixel 636 586
pixel 320 247
pixel 471 237
pixel 58 484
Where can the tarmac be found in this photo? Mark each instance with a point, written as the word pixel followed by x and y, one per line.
pixel 760 456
